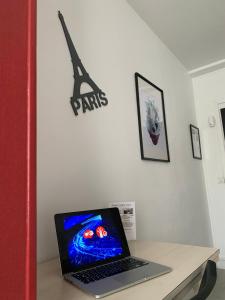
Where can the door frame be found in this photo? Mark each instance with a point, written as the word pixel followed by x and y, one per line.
pixel 18 149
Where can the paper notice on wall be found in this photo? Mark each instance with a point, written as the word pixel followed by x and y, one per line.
pixel 128 216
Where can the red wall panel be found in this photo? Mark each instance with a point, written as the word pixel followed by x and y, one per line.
pixel 17 150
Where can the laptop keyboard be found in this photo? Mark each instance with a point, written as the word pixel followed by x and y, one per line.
pixel 108 270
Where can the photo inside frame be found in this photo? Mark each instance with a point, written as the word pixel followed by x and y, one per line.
pixel 196 142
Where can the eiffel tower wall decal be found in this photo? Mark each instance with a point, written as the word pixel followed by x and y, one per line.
pixel 86 101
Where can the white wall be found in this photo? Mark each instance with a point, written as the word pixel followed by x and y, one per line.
pixel 209 90
pixel 86 162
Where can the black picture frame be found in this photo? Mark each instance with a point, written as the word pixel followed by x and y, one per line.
pixel 195 142
pixel 153 134
pixel 222 115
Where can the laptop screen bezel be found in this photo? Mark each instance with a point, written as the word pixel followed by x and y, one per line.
pixel 59 223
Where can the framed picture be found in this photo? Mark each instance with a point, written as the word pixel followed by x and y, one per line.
pixel 152 120
pixel 195 142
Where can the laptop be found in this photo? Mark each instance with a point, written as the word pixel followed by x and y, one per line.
pixel 94 253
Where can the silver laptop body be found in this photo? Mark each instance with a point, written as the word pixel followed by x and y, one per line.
pixel 94 242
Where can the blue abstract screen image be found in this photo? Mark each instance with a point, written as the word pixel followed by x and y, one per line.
pixel 91 238
pixel 70 222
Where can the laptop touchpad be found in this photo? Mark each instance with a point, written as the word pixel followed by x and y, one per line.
pixel 131 276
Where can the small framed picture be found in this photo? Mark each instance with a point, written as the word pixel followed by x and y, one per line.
pixel 152 120
pixel 195 142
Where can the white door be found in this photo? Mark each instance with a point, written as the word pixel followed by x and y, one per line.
pixel 218 188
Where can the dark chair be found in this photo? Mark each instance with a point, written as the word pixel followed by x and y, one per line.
pixel 208 281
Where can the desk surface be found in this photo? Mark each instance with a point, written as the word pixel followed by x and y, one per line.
pixel 186 262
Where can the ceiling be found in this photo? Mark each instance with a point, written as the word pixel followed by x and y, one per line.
pixel 194 30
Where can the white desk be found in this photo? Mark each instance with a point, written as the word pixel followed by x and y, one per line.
pixel 187 263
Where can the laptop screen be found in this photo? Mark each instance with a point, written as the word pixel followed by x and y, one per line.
pixel 90 238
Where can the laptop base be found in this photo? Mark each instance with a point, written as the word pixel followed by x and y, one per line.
pixel 116 283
